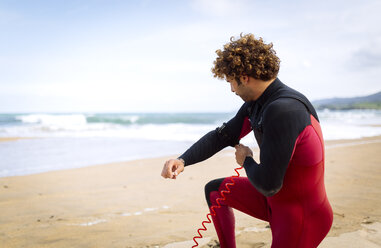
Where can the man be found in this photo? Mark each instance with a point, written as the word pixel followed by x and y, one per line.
pixel 287 187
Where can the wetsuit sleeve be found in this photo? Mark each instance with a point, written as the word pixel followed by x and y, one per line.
pixel 228 134
pixel 283 121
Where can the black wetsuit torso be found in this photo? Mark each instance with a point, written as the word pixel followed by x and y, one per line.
pixel 277 103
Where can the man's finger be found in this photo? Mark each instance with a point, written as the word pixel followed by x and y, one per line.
pixel 164 171
pixel 169 169
pixel 173 171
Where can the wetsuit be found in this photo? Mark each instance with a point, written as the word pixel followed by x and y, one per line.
pixel 287 187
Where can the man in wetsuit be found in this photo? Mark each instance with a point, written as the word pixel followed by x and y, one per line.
pixel 287 187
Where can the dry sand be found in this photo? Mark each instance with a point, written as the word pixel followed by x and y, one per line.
pixel 128 204
pixel 4 139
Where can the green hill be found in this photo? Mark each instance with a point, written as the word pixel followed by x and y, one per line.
pixel 364 102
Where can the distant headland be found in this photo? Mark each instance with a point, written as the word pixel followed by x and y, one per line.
pixel 363 102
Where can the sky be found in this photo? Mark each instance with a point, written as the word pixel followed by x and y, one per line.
pixel 156 56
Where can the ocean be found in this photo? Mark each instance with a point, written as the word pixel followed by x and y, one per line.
pixel 72 140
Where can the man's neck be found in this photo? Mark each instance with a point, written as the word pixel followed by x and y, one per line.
pixel 258 87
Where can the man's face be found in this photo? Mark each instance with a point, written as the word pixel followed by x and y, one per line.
pixel 240 90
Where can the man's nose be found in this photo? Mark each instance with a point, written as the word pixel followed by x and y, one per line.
pixel 232 89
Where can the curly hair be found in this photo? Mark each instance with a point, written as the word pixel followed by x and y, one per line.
pixel 246 56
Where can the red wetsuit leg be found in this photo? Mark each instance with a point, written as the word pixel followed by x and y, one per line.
pixel 243 197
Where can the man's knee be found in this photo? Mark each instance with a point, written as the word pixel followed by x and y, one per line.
pixel 213 185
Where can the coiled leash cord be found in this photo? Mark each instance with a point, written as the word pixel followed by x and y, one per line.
pixel 212 211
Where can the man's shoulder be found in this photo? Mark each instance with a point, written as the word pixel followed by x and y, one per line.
pixel 285 110
pixel 284 104
pixel 287 99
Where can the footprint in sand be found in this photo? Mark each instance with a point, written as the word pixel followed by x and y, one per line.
pixel 213 244
pixel 258 245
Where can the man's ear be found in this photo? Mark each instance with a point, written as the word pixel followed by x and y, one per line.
pixel 244 79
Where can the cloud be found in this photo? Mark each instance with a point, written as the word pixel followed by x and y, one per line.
pixel 368 56
pixel 220 8
pixel 140 59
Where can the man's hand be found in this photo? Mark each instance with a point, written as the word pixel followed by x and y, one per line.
pixel 241 152
pixel 172 168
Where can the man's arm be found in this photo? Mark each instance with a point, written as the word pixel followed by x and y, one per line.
pixel 228 134
pixel 283 121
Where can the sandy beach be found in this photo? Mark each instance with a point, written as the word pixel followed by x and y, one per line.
pixel 128 204
pixel 4 139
